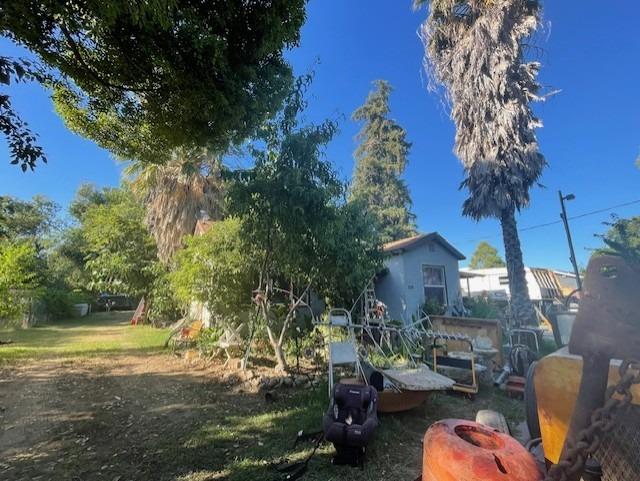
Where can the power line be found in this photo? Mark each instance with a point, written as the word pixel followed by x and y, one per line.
pixel 547 224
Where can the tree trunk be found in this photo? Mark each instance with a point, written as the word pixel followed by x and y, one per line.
pixel 281 360
pixel 521 307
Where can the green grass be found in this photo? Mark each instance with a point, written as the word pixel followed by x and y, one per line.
pixel 244 443
pixel 97 334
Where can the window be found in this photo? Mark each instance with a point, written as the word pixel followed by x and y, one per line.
pixel 503 280
pixel 435 285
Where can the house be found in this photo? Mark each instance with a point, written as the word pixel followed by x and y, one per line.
pixel 419 269
pixel 544 285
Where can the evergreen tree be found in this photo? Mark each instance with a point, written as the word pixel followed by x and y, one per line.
pixel 485 256
pixel 381 159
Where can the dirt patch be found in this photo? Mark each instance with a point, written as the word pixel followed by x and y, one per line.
pixel 119 418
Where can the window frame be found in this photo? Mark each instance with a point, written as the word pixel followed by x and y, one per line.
pixel 442 286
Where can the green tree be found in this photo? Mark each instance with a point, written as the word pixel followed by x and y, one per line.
pixel 140 78
pixel 33 219
pixel 485 256
pixel 23 147
pixel 87 195
pixel 121 254
pixel 381 159
pixel 20 276
pixel 622 239
pixel 490 86
pixel 289 204
pixel 217 269
pixel 350 253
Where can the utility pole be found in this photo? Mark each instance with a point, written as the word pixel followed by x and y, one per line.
pixel 563 216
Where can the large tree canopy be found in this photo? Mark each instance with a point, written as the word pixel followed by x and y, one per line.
pixel 142 77
pixel 381 159
pixel 121 255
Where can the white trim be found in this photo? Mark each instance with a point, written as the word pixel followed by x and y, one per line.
pixel 443 285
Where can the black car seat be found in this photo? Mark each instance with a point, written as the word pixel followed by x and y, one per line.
pixel 350 421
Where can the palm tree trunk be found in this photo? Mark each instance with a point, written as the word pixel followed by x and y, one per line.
pixel 521 307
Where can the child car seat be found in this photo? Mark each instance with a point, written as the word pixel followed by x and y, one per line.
pixel 350 421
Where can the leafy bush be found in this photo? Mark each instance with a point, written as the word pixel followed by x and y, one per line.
pixel 58 303
pixel 483 308
pixel 216 269
pixel 20 276
pixel 433 308
pixel 207 340
pixel 164 307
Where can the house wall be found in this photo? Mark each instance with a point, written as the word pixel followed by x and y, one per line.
pixel 389 287
pixel 402 288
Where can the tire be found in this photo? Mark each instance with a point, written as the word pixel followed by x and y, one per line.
pixel 531 404
pixel 493 420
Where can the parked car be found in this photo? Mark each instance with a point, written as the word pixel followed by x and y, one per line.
pixel 116 302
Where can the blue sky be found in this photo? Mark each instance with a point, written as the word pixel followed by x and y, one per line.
pixel 590 138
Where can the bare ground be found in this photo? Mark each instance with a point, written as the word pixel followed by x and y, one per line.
pixel 111 419
pixel 143 415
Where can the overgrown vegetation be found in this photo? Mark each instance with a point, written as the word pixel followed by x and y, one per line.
pixel 295 221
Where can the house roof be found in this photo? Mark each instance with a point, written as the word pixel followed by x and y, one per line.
pixel 468 275
pixel 416 240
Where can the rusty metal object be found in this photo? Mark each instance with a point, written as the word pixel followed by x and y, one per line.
pixel 608 322
pixel 607 326
pixel 456 450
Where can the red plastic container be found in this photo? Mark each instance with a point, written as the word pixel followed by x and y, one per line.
pixel 459 450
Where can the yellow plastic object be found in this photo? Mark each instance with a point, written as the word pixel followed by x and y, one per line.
pixel 557 379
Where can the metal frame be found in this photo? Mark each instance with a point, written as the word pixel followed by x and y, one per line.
pixel 472 388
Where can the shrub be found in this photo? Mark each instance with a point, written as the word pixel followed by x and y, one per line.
pixel 482 308
pixel 207 341
pixel 58 303
pixel 164 307
pixel 216 269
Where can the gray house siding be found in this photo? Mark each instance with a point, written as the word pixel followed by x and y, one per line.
pixel 401 287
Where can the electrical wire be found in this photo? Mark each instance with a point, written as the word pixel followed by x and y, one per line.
pixel 578 216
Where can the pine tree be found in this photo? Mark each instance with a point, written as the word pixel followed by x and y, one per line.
pixel 381 159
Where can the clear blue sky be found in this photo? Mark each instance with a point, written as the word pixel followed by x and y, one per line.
pixel 591 136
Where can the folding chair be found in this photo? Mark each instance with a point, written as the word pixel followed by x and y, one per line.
pixel 230 338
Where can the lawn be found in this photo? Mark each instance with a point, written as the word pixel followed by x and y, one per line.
pixel 97 334
pixel 243 445
pixel 120 408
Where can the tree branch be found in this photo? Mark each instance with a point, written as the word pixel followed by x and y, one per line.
pixel 78 56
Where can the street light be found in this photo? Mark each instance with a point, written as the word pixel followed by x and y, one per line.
pixel 563 216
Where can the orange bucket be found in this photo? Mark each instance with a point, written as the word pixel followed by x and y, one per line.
pixel 457 450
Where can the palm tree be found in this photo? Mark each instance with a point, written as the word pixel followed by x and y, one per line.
pixel 176 194
pixel 475 50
